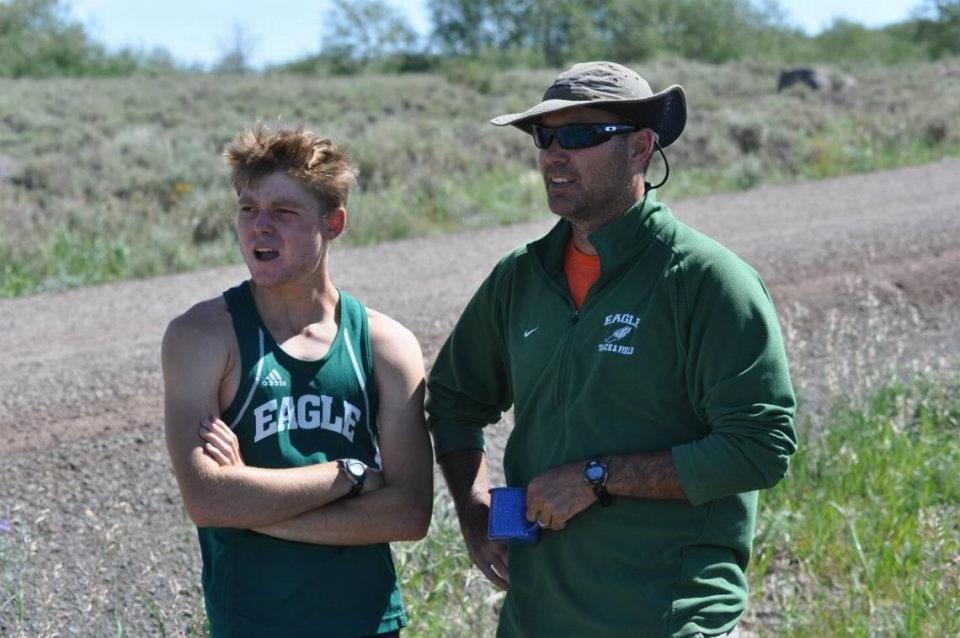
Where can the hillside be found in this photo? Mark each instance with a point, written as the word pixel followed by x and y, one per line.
pixel 110 179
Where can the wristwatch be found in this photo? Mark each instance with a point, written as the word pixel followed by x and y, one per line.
pixel 595 475
pixel 356 471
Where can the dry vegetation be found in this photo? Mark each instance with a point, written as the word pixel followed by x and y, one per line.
pixel 110 179
pixel 105 179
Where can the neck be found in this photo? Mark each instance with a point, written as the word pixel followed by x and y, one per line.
pixel 290 308
pixel 581 240
pixel 583 229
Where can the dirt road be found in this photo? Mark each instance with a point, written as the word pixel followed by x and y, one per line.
pixel 865 271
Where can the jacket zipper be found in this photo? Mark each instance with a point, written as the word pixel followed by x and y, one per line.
pixel 564 351
pixel 565 342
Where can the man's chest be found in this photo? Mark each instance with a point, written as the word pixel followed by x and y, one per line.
pixel 620 338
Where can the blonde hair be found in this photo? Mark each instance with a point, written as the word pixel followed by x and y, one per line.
pixel 324 168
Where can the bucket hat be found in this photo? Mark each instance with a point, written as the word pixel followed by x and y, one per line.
pixel 611 87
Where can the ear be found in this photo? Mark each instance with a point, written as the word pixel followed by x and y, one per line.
pixel 642 146
pixel 334 222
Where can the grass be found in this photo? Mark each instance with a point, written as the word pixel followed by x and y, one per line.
pixel 14 562
pixel 863 537
pixel 444 595
pixel 109 179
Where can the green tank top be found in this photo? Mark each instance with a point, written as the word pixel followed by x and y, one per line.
pixel 287 413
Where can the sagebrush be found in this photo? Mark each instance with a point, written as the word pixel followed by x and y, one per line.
pixel 106 179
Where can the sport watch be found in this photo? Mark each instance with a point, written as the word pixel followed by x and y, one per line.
pixel 595 475
pixel 356 471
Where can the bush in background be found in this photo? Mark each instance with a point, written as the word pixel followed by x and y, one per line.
pixel 38 40
pixel 938 27
pixel 106 179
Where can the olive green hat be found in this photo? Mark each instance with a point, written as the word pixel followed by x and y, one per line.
pixel 611 87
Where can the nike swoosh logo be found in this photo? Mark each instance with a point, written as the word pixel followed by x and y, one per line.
pixel 527 333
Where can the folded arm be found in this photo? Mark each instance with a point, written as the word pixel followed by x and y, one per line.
pixel 196 357
pixel 402 508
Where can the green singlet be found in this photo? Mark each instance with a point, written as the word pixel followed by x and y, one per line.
pixel 288 413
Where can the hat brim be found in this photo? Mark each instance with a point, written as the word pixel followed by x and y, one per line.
pixel 665 112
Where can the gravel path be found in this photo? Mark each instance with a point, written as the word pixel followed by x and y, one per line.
pixel 865 271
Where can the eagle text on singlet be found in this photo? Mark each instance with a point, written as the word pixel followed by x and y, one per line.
pixel 307 412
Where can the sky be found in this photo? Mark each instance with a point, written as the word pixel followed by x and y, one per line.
pixel 199 31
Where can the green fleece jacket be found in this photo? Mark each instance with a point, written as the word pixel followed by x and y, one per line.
pixel 676 347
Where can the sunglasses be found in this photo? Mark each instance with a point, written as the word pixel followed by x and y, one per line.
pixel 573 136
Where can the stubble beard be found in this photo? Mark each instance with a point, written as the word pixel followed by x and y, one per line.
pixel 606 200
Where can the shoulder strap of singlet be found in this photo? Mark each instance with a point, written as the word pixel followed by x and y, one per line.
pixel 251 338
pixel 356 338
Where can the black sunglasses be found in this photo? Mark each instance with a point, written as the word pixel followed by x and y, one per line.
pixel 573 136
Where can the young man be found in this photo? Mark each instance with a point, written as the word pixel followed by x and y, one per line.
pixel 649 383
pixel 294 415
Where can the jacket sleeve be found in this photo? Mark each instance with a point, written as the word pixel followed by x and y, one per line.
pixel 469 384
pixel 738 382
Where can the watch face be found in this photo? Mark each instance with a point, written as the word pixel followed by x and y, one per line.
pixel 595 473
pixel 355 468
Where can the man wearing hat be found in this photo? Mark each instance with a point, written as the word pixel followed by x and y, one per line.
pixel 646 369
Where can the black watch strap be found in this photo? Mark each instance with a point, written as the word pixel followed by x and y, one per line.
pixel 595 475
pixel 357 487
pixel 348 467
pixel 602 495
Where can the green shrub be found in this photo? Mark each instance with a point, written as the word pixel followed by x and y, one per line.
pixel 863 536
pixel 106 179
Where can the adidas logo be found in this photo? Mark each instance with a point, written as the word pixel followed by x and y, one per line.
pixel 273 380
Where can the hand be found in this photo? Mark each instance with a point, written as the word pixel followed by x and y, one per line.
pixel 558 495
pixel 220 443
pixel 489 557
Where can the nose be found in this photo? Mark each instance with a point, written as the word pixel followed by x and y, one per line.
pixel 262 223
pixel 553 155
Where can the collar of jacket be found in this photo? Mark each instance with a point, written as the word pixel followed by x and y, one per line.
pixel 617 243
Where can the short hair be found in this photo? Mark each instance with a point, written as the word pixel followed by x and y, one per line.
pixel 323 167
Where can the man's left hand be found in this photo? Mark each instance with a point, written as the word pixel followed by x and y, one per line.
pixel 558 495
